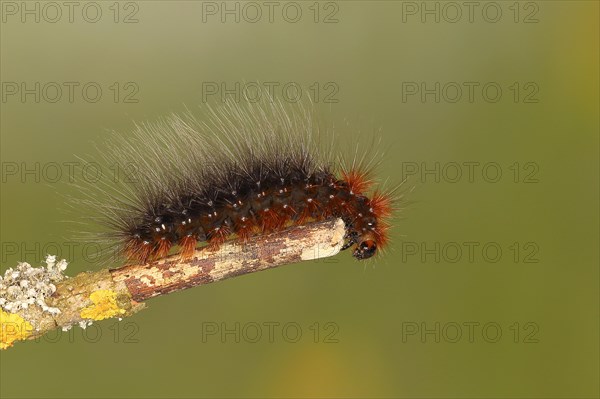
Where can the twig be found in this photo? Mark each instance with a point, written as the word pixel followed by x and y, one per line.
pixel 121 292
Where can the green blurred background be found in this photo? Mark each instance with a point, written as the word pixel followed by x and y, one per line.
pixel 541 293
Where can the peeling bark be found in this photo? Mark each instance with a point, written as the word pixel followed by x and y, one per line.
pixel 231 259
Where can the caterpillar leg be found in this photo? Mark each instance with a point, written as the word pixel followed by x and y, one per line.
pixel 351 239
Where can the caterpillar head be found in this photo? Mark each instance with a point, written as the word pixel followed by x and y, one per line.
pixel 365 249
pixel 369 231
pixel 366 244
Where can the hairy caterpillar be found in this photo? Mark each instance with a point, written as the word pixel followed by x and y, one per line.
pixel 240 170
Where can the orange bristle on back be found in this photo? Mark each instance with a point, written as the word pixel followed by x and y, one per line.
pixel 382 233
pixel 382 204
pixel 359 182
pixel 217 237
pixel 137 250
pixel 162 248
pixel 188 245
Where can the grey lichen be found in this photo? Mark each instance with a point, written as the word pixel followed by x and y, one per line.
pixel 26 286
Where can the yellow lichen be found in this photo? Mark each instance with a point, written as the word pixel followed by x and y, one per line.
pixel 12 328
pixel 105 306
